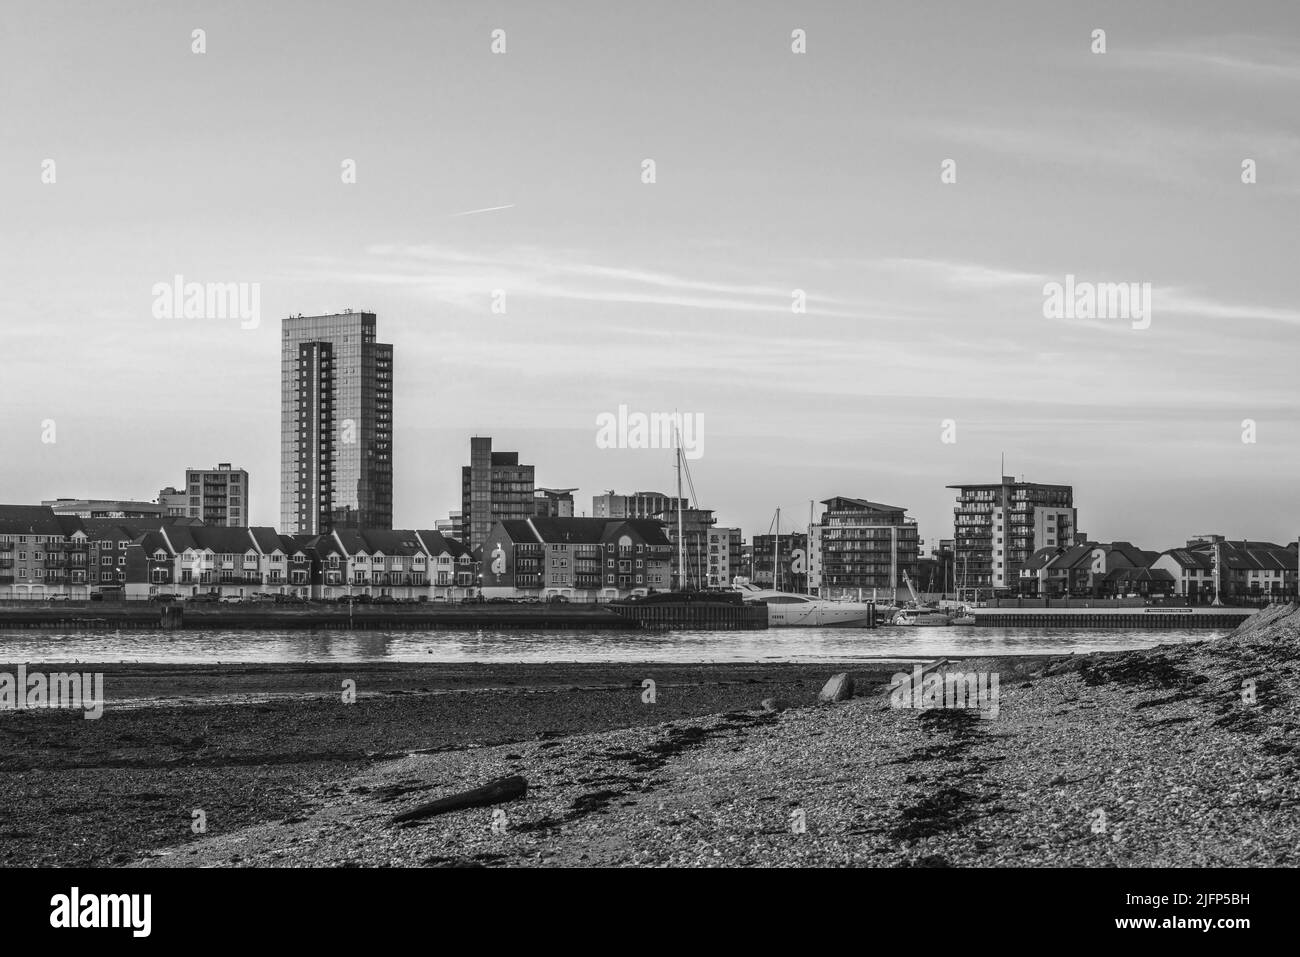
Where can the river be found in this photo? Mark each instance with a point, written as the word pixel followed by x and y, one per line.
pixel 783 644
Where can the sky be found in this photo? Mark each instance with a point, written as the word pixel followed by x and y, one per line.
pixel 774 171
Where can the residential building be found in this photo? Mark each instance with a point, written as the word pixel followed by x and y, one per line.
pixel 934 571
pixel 636 505
pixel 860 546
pixel 724 556
pixel 104 508
pixel 553 502
pixel 336 424
pixel 582 559
pixel 494 488
pixel 217 496
pixel 1088 569
pixel 788 554
pixel 998 527
pixel 41 553
pixel 1211 567
pixel 695 526
pixel 174 501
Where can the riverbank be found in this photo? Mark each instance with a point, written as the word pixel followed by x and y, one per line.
pixel 1143 758
pixel 252 744
pixel 107 616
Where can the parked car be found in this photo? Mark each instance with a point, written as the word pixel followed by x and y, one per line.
pixel 263 597
pixel 204 599
pixel 232 600
pixel 384 600
pixel 290 600
pixel 558 600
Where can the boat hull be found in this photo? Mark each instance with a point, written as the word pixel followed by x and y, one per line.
pixel 814 616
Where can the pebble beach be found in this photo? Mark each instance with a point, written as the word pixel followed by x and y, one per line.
pixel 1180 755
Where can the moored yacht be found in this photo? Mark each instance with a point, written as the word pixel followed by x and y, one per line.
pixel 789 610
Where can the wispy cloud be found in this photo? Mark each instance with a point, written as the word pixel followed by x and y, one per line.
pixel 467 279
pixel 485 209
pixel 1240 57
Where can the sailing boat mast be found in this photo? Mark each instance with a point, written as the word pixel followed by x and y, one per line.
pixel 807 553
pixel 776 550
pixel 681 538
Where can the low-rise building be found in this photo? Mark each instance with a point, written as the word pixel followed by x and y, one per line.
pixel 1090 569
pixel 582 559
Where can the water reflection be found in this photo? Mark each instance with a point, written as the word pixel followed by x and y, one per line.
pixel 791 644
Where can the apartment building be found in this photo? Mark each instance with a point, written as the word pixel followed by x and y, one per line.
pixel 724 546
pixel 780 562
pixel 998 527
pixel 216 496
pixel 696 524
pixel 635 505
pixel 553 502
pixel 336 424
pixel 104 508
pixel 494 488
pixel 860 546
pixel 41 553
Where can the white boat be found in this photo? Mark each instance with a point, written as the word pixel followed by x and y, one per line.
pixel 922 616
pixel 789 610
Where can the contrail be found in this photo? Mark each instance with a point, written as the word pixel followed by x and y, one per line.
pixel 486 209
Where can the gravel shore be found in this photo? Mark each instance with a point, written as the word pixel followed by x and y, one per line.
pixel 1156 757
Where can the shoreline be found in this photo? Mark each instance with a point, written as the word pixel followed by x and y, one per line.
pixel 704 776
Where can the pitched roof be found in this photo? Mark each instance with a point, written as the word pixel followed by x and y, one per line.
pixel 36 520
pixel 436 543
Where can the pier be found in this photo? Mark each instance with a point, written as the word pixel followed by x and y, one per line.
pixel 1114 617
pixel 142 616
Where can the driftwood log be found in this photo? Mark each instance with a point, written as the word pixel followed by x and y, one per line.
pixel 503 789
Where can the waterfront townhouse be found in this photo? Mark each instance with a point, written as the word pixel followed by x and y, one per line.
pixel 42 554
pixel 1246 570
pixel 1089 569
pixel 452 568
pixel 582 559
pixel 288 566
pixel 385 562
pixel 150 566
pixel 330 562
pixel 224 561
